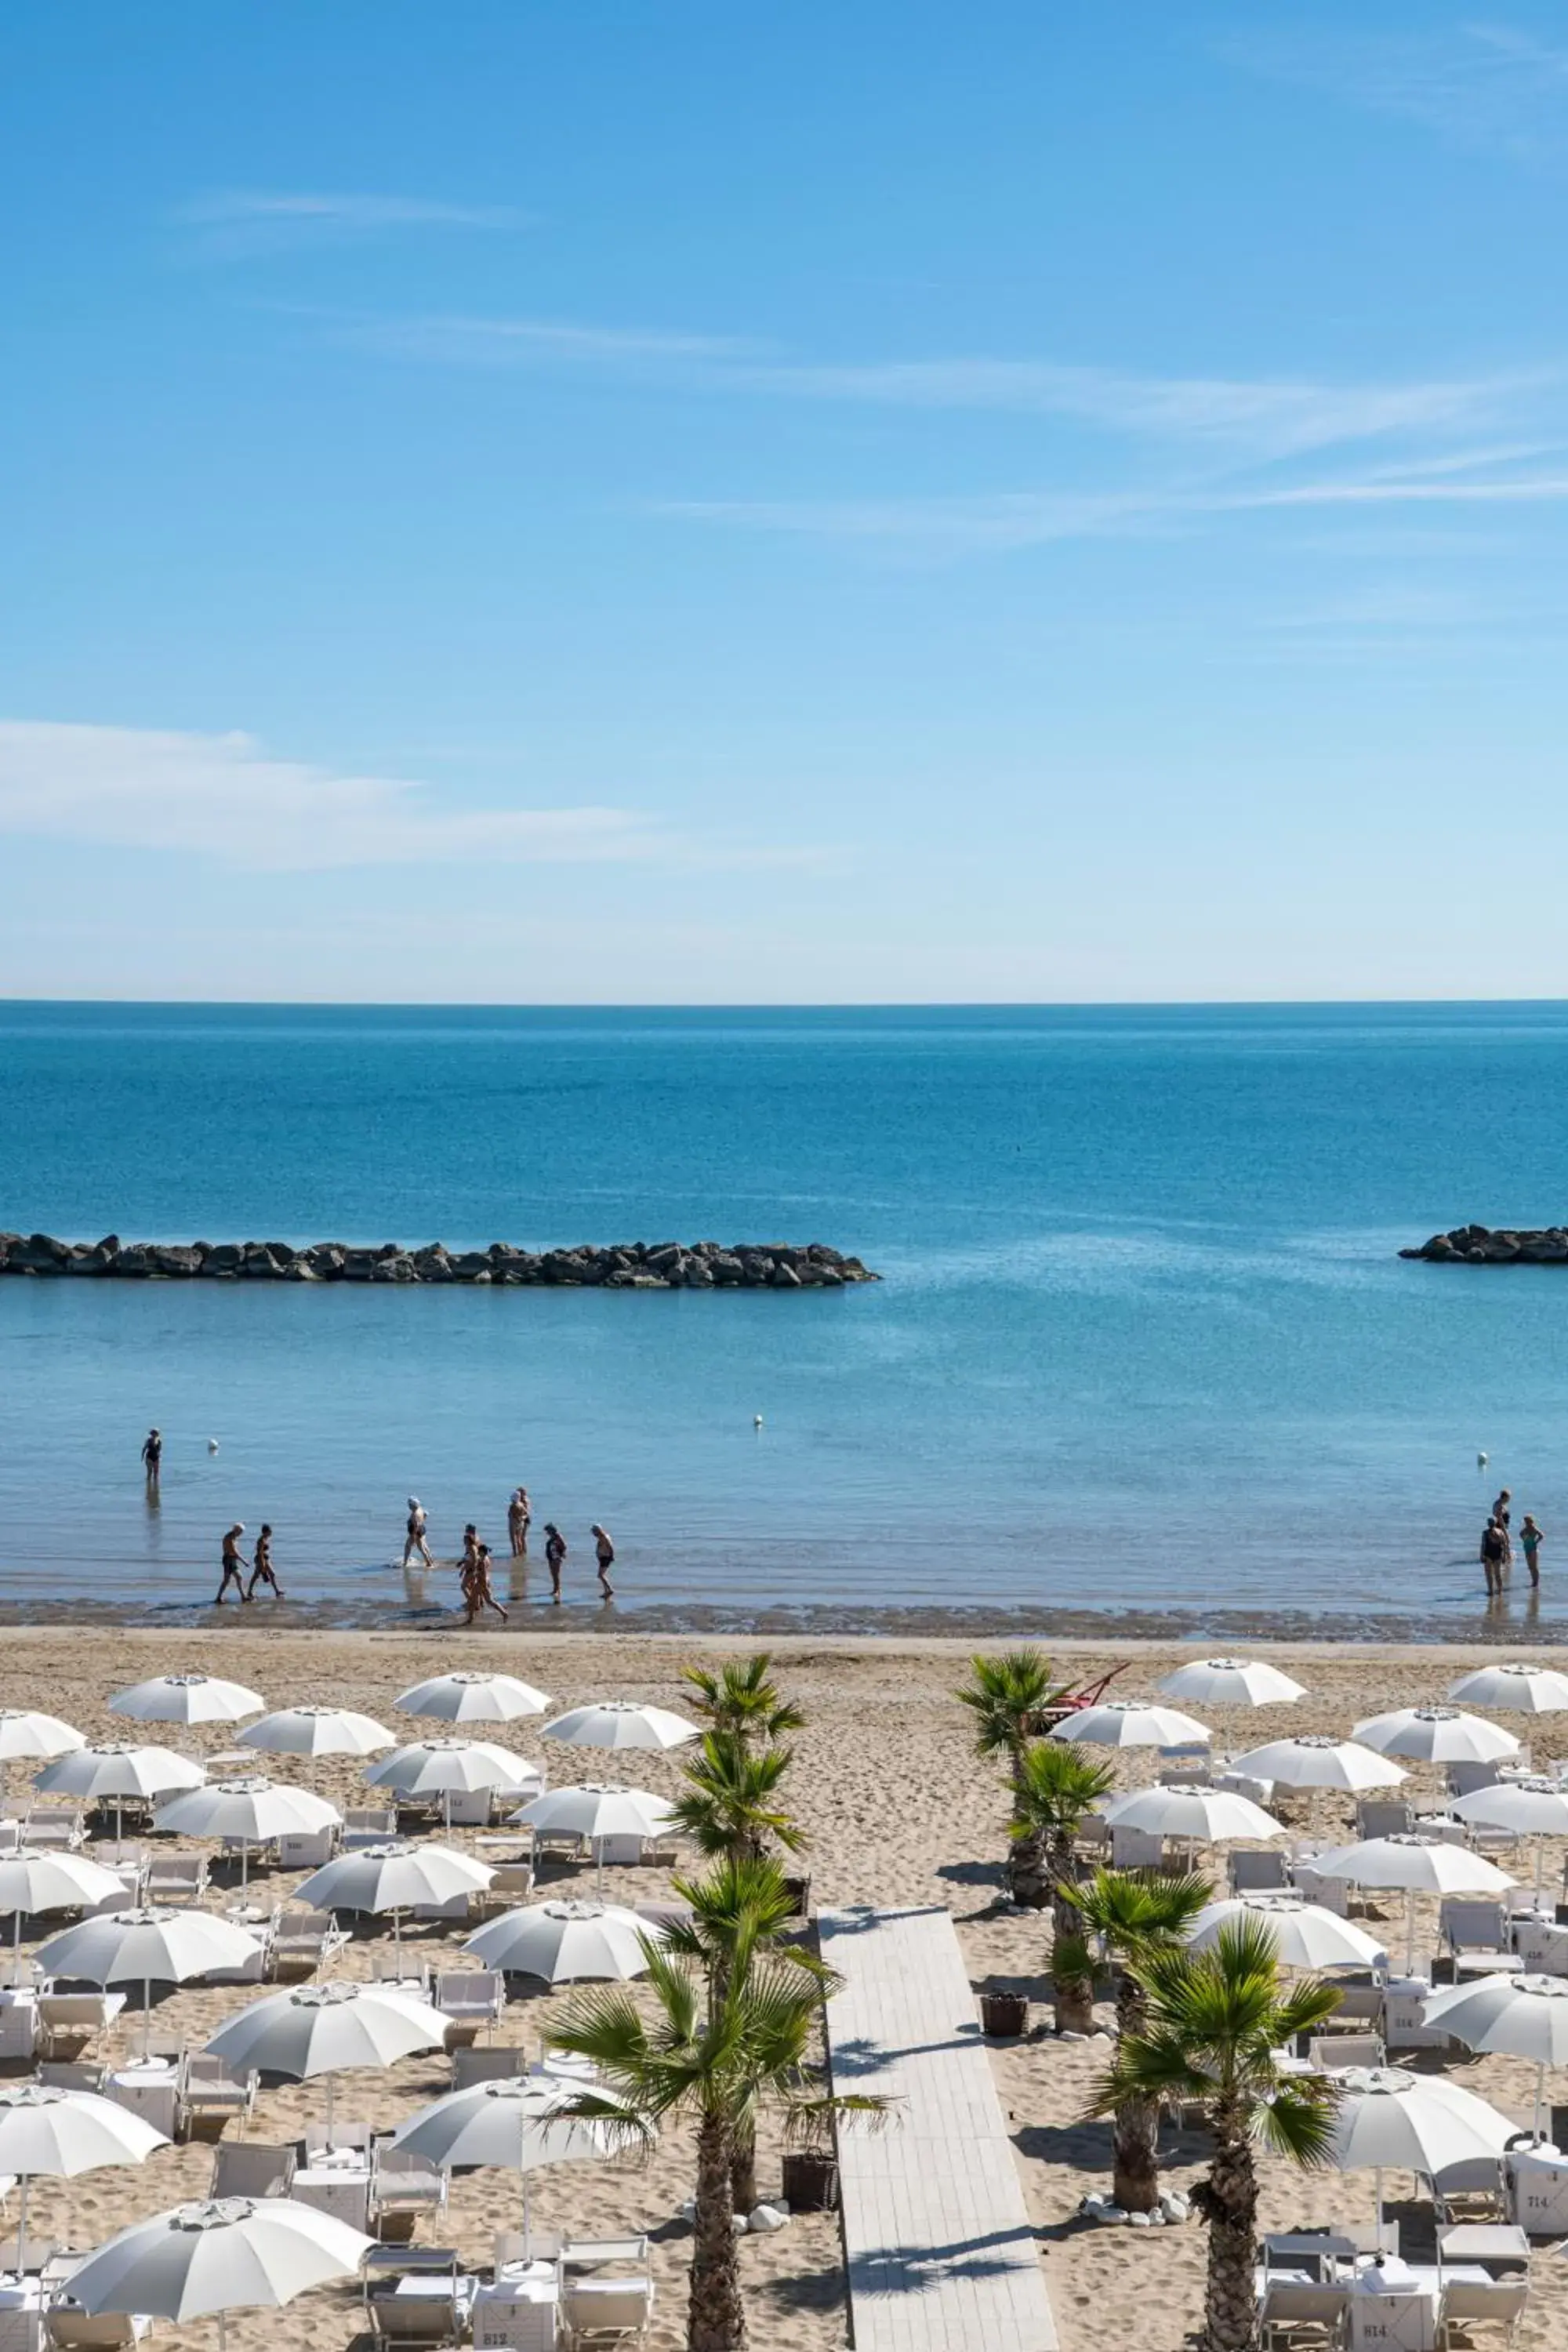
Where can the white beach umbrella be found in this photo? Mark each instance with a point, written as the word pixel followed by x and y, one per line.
pixel 515 2126
pixel 186 1698
pixel 1389 2121
pixel 392 1877
pixel 1514 1690
pixel 1520 2017
pixel 596 1812
pixel 32 1883
pixel 1229 1681
pixel 1535 1807
pixel 1316 1760
pixel 620 1723
pixel 431 1768
pixel 1418 1865
pixel 1130 1723
pixel 255 1810
pixel 224 2254
pixel 1305 1935
pixel 563 1941
pixel 24 1732
pixel 147 1947
pixel 1204 1816
pixel 472 1699
pixel 1436 1735
pixel 326 2029
pixel 44 2129
pixel 113 1770
pixel 318 1731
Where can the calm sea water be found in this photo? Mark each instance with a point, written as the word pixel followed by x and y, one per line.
pixel 1143 1340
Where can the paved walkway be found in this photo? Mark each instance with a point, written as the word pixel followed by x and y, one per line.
pixel 940 2252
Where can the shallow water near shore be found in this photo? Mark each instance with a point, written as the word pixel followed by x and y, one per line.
pixel 1144 1354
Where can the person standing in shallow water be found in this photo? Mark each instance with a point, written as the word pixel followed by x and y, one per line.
pixel 555 1556
pixel 262 1565
pixel 233 1565
pixel 1502 1516
pixel 604 1553
pixel 1530 1540
pixel 518 1516
pixel 1494 1550
pixel 153 1456
pixel 414 1540
pixel 477 1591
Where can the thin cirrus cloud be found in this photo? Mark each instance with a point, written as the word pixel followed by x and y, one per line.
pixel 229 224
pixel 1482 85
pixel 1262 419
pixel 223 797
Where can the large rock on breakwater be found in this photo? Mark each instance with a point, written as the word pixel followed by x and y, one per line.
pixel 626 1266
pixel 1502 1245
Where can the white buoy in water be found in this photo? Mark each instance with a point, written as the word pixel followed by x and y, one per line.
pixel 212 1445
pixel 1481 1461
pixel 756 1421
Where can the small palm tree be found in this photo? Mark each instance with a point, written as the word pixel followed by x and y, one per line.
pixel 1057 1784
pixel 1010 1697
pixel 1213 2024
pixel 744 1698
pixel 1137 1914
pixel 731 1804
pixel 721 2059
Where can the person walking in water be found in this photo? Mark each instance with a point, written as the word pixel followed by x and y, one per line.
pixel 1494 1551
pixel 519 1514
pixel 477 1590
pixel 555 1556
pixel 233 1565
pixel 153 1456
pixel 413 1541
pixel 604 1553
pixel 261 1566
pixel 1530 1538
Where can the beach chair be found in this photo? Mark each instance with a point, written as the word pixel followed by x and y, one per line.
pixel 509 2248
pixel 177 1879
pixel 1332 2052
pixel 1466 2303
pixel 401 1967
pixel 1135 1849
pixel 307 1849
pixel 76 2019
pixel 68 2328
pixel 1257 1873
pixel 369 1825
pixel 511 1886
pixel 492 2062
pixel 471 1998
pixel 1380 1817
pixel 606 2292
pixel 414 2299
pixel 402 2187
pixel 1293 2313
pixel 212 2094
pixel 1464 1779
pixel 72 2075
pixel 250 2168
pixel 1478 1937
pixel 19 2031
pixel 55 1826
pixel 304 1941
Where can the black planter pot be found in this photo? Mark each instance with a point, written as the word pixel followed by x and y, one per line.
pixel 811 2181
pixel 1004 2016
pixel 799 1889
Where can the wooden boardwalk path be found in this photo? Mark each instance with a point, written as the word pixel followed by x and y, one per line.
pixel 940 2252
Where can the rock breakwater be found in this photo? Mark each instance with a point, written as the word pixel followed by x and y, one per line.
pixel 626 1265
pixel 1502 1245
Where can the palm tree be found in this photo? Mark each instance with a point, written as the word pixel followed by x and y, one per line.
pixel 1054 1788
pixel 730 1804
pixel 742 1698
pixel 1009 1696
pixel 721 2058
pixel 740 1909
pixel 1214 2022
pixel 1137 1914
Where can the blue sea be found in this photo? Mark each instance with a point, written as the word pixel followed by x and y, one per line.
pixel 1144 1342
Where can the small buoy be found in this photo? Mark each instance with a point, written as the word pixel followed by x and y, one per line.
pixel 212 1445
pixel 1481 1461
pixel 756 1421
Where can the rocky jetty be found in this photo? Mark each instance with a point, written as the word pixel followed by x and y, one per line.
pixel 626 1265
pixel 1502 1245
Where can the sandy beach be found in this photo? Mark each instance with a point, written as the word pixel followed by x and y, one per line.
pixel 898 1811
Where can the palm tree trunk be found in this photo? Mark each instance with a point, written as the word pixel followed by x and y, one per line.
pixel 716 2319
pixel 743 2172
pixel 1027 1870
pixel 1229 2205
pixel 1135 2161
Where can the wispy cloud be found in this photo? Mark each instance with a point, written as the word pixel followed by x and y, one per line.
pixel 223 796
pixel 1261 418
pixel 227 224
pixel 1478 85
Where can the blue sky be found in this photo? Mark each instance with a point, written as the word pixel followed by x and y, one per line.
pixel 714 503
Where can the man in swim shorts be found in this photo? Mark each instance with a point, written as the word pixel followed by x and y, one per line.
pixel 233 1565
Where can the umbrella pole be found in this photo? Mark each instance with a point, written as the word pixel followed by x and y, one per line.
pixel 1540 1864
pixel 119 1828
pixel 527 2227
pixel 329 2114
pixel 146 2015
pixel 244 1869
pixel 22 2222
pixel 1378 2177
pixel 1409 1945
pixel 1539 2086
